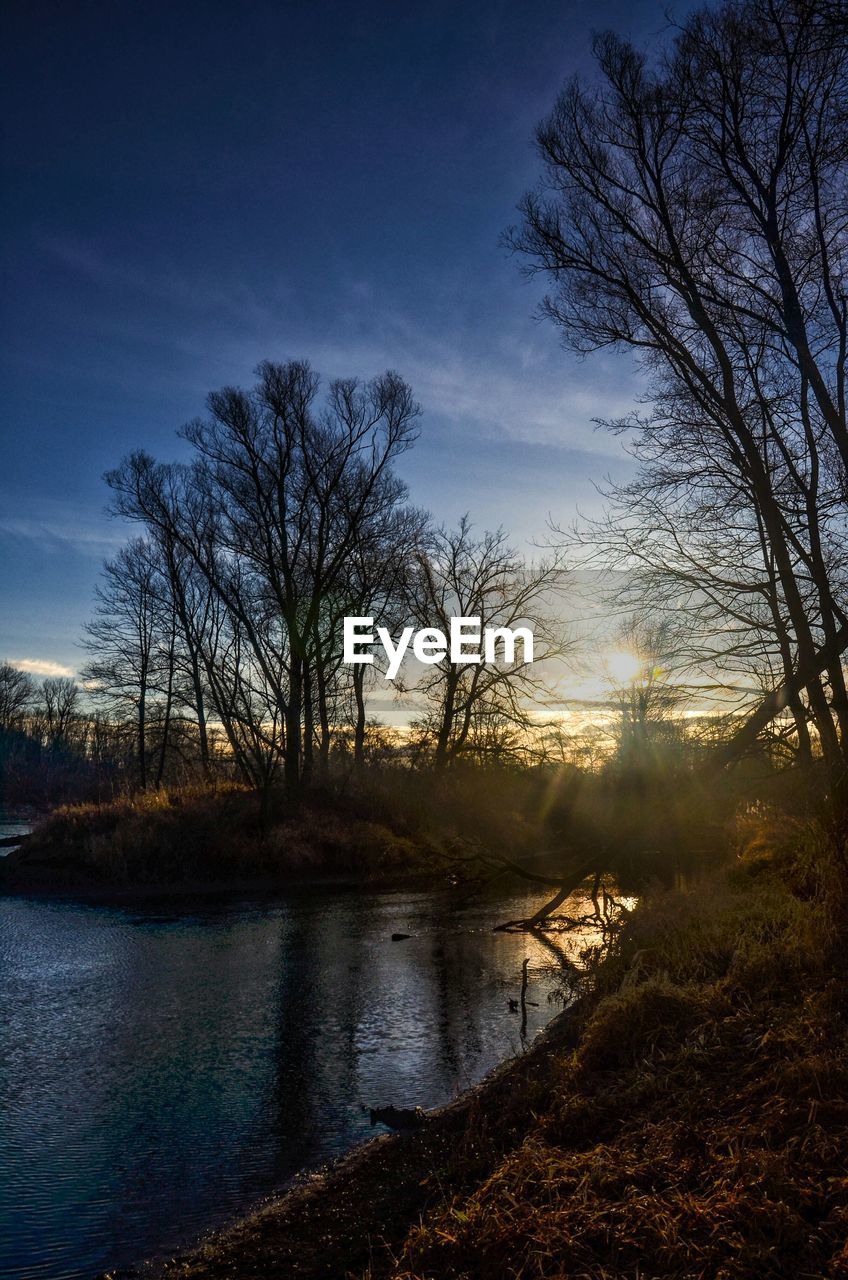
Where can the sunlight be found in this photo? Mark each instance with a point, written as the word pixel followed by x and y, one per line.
pixel 623 666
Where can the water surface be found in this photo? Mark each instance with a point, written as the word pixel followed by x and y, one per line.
pixel 160 1070
pixel 12 825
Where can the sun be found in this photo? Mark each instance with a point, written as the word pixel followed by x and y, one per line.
pixel 623 666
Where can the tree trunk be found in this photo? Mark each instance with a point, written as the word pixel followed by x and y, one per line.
pixel 446 722
pixel 773 704
pixel 200 710
pixel 325 733
pixel 142 739
pixel 166 727
pixel 308 725
pixel 359 727
pixel 294 735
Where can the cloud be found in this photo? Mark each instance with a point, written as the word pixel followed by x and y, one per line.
pixel 503 378
pixel 62 524
pixel 507 388
pixel 478 396
pixel 41 667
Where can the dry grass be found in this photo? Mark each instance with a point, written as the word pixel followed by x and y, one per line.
pixel 386 822
pixel 202 838
pixel 700 1129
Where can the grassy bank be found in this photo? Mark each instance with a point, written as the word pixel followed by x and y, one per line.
pixel 689 1120
pixel 389 826
pixel 204 839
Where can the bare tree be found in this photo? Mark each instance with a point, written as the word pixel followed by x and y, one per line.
pixel 192 606
pixel 649 700
pixel 122 640
pixel 60 699
pixel 272 508
pixel 17 694
pixel 378 584
pixel 696 213
pixel 461 575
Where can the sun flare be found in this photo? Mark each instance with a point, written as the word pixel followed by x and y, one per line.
pixel 622 666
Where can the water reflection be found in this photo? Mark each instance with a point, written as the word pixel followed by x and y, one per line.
pixel 159 1071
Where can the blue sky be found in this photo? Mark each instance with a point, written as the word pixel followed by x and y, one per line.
pixel 191 188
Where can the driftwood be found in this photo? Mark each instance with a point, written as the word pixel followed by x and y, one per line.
pixel 566 885
pixel 12 842
pixel 398 1117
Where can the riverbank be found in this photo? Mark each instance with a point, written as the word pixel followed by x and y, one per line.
pixel 342 1220
pixel 211 842
pixel 388 829
pixel 688 1118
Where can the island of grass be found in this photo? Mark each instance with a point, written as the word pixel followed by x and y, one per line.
pixel 388 828
pixel 204 840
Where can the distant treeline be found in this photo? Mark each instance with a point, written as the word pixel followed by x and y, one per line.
pixel 51 750
pixel 57 747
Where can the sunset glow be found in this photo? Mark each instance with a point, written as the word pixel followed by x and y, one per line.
pixel 623 666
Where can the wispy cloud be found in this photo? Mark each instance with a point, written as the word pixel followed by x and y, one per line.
pixel 227 294
pixel 41 667
pixel 503 378
pixel 479 396
pixel 63 524
pixel 511 388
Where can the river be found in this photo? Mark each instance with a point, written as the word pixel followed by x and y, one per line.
pixel 162 1069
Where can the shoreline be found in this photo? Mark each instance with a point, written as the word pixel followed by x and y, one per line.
pixel 686 1112
pixel 212 846
pixel 187 893
pixel 350 1211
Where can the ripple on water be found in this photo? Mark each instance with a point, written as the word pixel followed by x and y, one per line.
pixel 161 1071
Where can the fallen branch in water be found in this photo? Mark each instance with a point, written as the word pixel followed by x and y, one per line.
pixel 565 882
pixel 565 889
